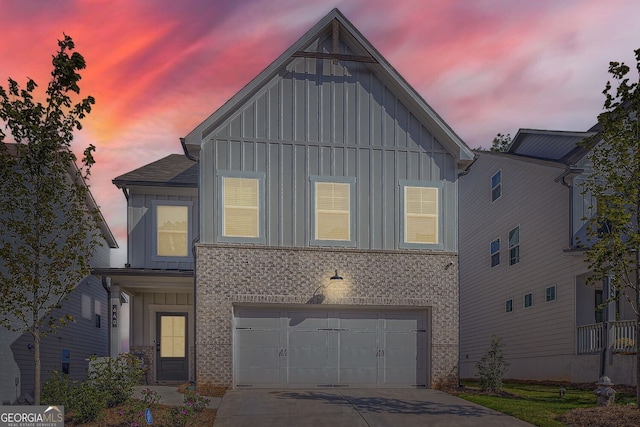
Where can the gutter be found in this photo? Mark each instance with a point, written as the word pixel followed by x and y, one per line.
pixel 186 150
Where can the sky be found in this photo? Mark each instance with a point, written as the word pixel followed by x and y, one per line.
pixel 158 68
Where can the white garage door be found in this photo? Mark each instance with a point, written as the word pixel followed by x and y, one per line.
pixel 327 348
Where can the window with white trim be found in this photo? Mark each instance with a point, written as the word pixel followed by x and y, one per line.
pixel 514 246
pixel 421 214
pixel 496 186
pixel 528 300
pixel 495 252
pixel 86 306
pixel 508 306
pixel 550 293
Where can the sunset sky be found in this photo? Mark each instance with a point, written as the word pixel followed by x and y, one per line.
pixel 157 68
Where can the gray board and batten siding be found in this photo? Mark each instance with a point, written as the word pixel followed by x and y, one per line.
pixel 317 118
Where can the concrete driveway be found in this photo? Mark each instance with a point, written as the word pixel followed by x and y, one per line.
pixel 354 408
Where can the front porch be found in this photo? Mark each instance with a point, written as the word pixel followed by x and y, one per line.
pixel 621 337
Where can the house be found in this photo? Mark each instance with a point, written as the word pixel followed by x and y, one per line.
pixel 155 289
pixel 327 251
pixel 68 349
pixel 522 274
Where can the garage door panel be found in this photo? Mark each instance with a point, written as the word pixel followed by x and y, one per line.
pixel 258 319
pixel 308 348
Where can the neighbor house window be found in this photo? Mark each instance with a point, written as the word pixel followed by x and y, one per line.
pixel 495 252
pixel 98 314
pixel 242 207
pixel 333 210
pixel 172 229
pixel 86 306
pixel 514 246
pixel 528 300
pixel 496 186
pixel 421 214
pixel 508 306
pixel 550 293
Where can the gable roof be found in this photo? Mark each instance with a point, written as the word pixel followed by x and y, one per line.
pixel 553 145
pixel 175 170
pixel 336 24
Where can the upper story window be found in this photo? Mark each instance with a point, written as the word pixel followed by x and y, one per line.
pixel 421 214
pixel 333 210
pixel 514 246
pixel 528 300
pixel 495 252
pixel 550 293
pixel 496 186
pixel 241 216
pixel 508 306
pixel 172 229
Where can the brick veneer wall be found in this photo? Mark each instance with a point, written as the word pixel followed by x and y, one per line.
pixel 228 275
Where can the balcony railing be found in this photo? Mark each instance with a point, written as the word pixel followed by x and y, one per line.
pixel 621 338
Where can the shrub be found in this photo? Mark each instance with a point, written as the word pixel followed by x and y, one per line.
pixel 89 402
pixel 492 366
pixel 115 377
pixel 193 404
pixel 59 390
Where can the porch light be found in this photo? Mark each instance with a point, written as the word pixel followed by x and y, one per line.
pixel 336 276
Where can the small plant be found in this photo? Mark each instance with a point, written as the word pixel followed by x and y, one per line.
pixel 193 404
pixel 133 411
pixel 492 366
pixel 89 402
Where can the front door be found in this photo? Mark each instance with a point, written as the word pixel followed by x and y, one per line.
pixel 171 347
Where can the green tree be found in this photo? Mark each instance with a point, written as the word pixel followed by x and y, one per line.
pixel 614 228
pixel 48 234
pixel 501 142
pixel 492 366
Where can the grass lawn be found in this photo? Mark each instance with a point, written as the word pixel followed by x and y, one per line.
pixel 537 404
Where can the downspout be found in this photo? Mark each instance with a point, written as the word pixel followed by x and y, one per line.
pixel 186 150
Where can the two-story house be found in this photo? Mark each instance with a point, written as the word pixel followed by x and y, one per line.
pixel 522 273
pixel 328 225
pixel 69 348
pixel 157 281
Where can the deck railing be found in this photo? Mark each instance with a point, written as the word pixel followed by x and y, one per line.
pixel 622 337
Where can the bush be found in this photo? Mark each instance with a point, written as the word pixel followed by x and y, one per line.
pixel 133 410
pixel 89 402
pixel 492 366
pixel 115 377
pixel 59 390
pixel 193 404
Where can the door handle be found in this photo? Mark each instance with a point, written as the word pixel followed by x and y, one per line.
pixel 157 345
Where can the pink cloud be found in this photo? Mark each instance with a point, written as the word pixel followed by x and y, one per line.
pixel 158 68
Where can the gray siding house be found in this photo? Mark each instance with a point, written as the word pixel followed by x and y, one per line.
pixel 328 227
pixel 522 277
pixel 154 290
pixel 70 347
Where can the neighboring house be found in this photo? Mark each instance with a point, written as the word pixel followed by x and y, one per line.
pixel 522 275
pixel 157 281
pixel 328 232
pixel 69 348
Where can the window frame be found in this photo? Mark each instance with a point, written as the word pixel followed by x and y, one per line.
pixel 497 186
pixel 514 248
pixel 524 300
pixel 498 252
pixel 508 305
pixel 404 184
pixel 260 177
pixel 555 293
pixel 351 181
pixel 154 238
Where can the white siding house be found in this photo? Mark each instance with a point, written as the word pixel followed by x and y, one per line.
pixel 522 277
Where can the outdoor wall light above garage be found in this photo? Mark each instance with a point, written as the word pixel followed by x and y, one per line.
pixel 336 276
